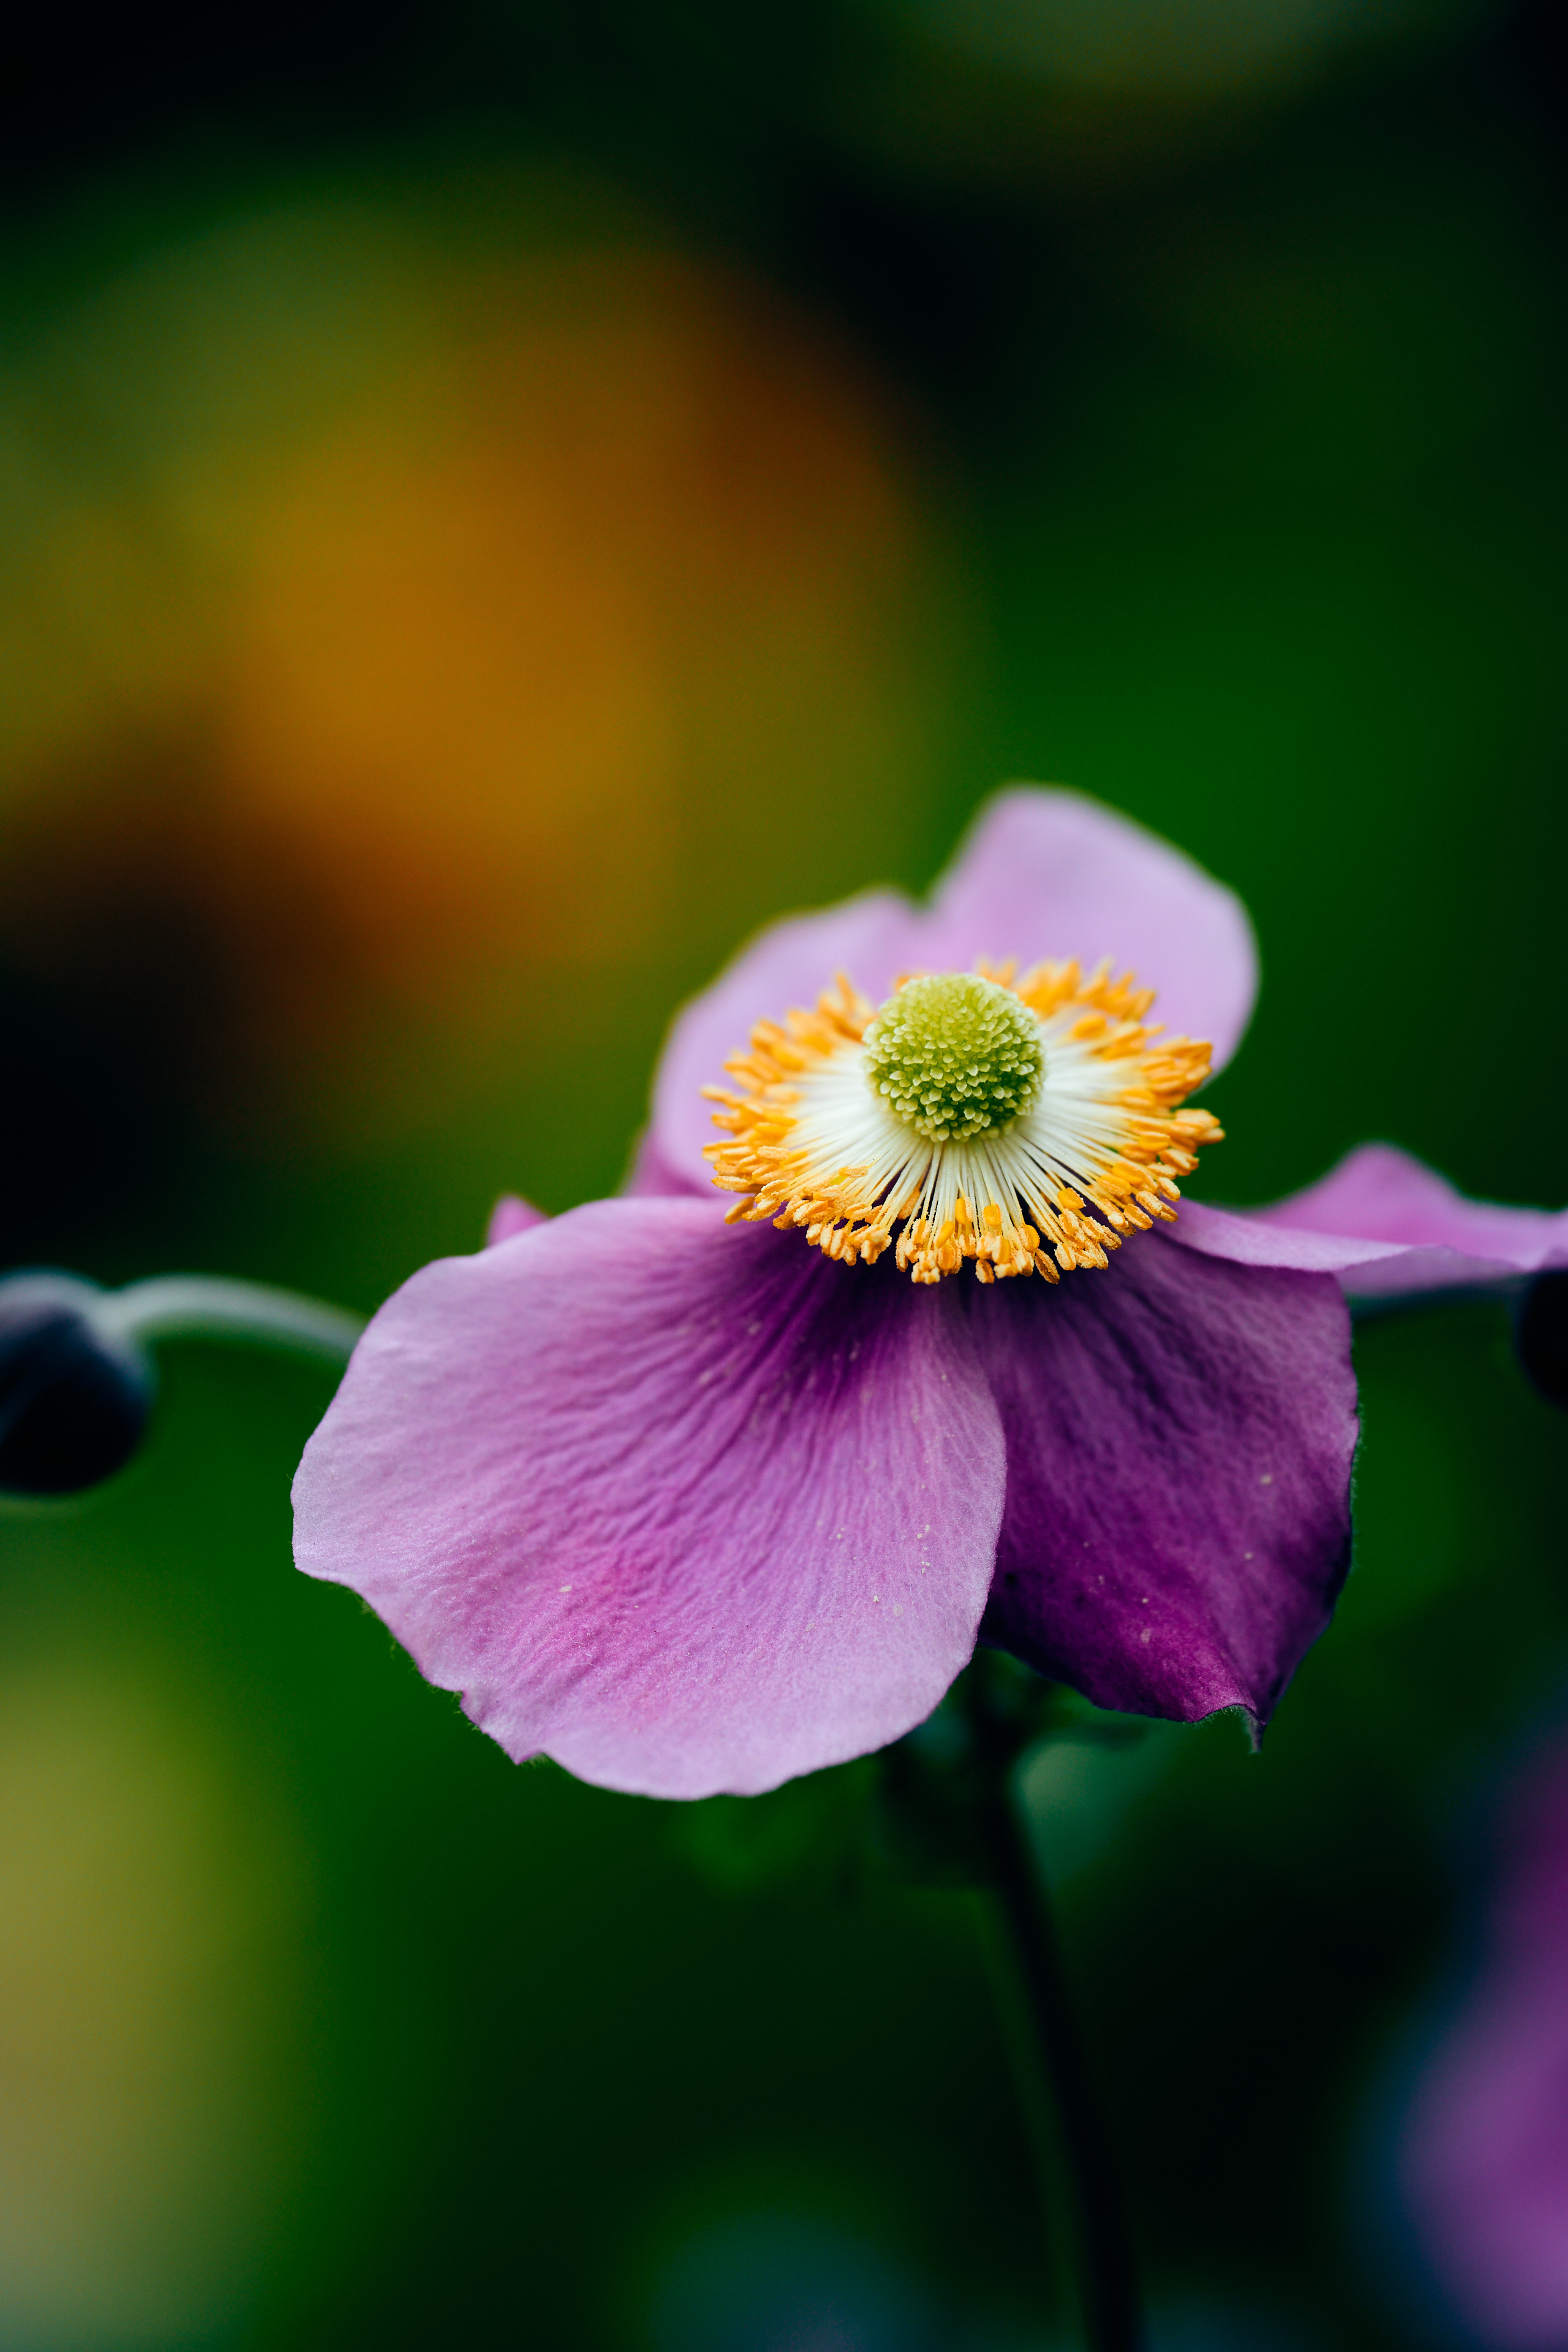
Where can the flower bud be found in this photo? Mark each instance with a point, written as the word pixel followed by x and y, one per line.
pixel 74 1393
pixel 1541 1334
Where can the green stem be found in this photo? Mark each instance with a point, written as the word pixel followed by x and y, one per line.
pixel 208 1305
pixel 1112 2304
pixel 1006 1710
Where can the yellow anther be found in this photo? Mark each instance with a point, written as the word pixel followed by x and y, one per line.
pixel 1024 1178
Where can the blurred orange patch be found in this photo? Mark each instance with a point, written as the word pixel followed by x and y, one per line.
pixel 580 618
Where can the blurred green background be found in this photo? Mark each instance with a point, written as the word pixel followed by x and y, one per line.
pixel 493 507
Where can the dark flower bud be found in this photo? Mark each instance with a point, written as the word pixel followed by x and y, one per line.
pixel 1541 1334
pixel 74 1393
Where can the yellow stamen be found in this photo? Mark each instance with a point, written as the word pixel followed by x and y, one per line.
pixel 846 1136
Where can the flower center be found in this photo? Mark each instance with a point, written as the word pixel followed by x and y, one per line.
pixel 1028 1125
pixel 954 1056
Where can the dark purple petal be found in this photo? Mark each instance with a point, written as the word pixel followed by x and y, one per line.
pixel 1485 2154
pixel 510 1216
pixel 683 1505
pixel 1179 1441
pixel 1054 873
pixel 1041 874
pixel 1387 1226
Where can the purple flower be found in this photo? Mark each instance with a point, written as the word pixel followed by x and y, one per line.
pixel 1484 2160
pixel 1390 1229
pixel 692 1505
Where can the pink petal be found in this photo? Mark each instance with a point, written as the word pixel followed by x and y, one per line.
pixel 1386 1226
pixel 651 1177
pixel 511 1215
pixel 682 1504
pixel 1054 874
pixel 1040 874
pixel 873 938
pixel 1485 2160
pixel 1485 2154
pixel 1179 1442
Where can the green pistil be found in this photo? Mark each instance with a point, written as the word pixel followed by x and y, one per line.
pixel 955 1057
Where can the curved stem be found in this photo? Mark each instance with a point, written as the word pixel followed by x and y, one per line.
pixel 1112 2304
pixel 200 1305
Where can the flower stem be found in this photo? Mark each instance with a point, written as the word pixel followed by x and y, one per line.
pixel 1113 2305
pixel 201 1305
pixel 953 1804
